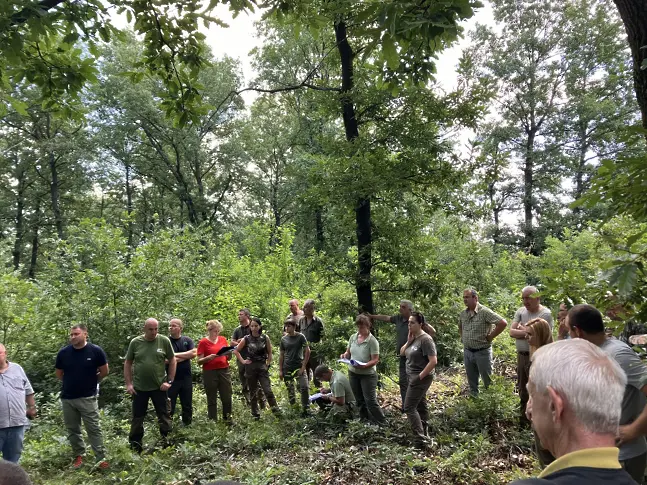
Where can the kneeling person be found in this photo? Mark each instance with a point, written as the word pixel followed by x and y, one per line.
pixel 340 394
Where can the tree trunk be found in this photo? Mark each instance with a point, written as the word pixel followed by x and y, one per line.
pixel 319 243
pixel 634 16
pixel 55 196
pixel 20 219
pixel 129 210
pixel 363 205
pixel 528 188
pixel 274 205
pixel 54 185
pixel 580 185
pixel 34 242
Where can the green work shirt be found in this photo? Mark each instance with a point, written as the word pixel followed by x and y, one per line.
pixel 293 348
pixel 363 352
pixel 149 361
pixel 340 386
pixel 476 325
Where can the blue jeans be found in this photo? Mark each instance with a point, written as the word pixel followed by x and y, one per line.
pixel 11 442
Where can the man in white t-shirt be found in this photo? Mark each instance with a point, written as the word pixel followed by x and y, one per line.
pixel 531 309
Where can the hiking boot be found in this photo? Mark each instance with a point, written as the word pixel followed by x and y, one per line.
pixel 78 461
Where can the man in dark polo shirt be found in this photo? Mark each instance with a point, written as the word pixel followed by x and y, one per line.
pixel 182 386
pixel 146 379
pixel 576 392
pixel 401 321
pixel 81 365
pixel 312 328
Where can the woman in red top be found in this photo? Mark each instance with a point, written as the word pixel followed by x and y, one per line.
pixel 215 371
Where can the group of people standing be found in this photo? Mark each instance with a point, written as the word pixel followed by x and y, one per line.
pixel 158 369
pixel 592 431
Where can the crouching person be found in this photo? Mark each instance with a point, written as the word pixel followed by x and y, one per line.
pixel 339 397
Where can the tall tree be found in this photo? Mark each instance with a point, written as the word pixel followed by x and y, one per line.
pixel 373 160
pixel 634 17
pixel 192 163
pixel 524 60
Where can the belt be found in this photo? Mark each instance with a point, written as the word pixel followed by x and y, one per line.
pixel 476 350
pixel 523 353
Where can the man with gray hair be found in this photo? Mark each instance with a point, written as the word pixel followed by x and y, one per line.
pixel 530 310
pixel 576 391
pixel 12 474
pixel 585 322
pixel 401 322
pixel 478 327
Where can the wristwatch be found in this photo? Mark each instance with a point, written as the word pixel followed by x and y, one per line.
pixel 170 381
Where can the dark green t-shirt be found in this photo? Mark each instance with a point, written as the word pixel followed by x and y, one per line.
pixel 148 358
pixel 418 353
pixel 293 348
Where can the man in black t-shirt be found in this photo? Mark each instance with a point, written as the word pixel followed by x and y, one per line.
pixel 81 365
pixel 182 385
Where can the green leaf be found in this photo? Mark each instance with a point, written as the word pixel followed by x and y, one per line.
pixel 19 106
pixel 390 52
pixel 624 277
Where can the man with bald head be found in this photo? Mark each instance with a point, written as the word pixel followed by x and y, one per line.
pixel 17 404
pixel 182 386
pixel 146 378
pixel 295 312
pixel 531 309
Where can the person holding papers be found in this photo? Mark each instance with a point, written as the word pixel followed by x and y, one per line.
pixel 213 356
pixel 420 352
pixel 364 353
pixel 338 402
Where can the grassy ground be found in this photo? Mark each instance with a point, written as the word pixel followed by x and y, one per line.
pixel 476 441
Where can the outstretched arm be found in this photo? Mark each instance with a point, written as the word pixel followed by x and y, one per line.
pixel 381 318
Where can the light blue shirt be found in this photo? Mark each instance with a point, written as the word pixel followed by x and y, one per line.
pixel 14 387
